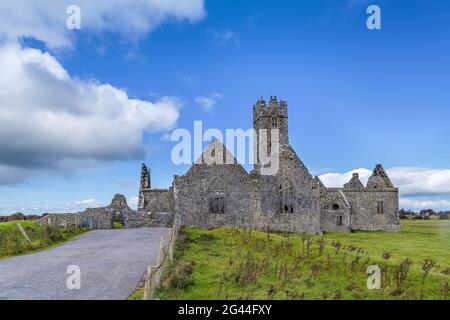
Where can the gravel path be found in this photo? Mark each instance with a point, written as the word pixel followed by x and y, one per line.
pixel 112 263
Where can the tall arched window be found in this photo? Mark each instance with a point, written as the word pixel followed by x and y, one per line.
pixel 286 197
pixel 216 197
pixel 217 204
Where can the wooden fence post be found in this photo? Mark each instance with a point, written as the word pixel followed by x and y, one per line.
pixel 165 256
pixel 150 285
pixel 172 244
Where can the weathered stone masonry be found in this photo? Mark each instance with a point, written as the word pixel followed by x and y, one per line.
pixel 214 195
pixel 103 218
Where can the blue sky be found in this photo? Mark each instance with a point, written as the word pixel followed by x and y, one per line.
pixel 357 97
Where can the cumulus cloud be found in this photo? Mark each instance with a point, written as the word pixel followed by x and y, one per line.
pixel 208 102
pixel 45 20
pixel 421 181
pixel 437 205
pixel 337 180
pixel 51 121
pixel 413 182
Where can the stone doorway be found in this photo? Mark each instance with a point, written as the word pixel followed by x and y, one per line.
pixel 118 221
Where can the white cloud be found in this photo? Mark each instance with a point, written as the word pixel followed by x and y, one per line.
pixel 74 206
pixel 437 205
pixel 208 102
pixel 133 202
pixel 51 121
pixel 413 182
pixel 337 180
pixel 421 181
pixel 222 37
pixel 85 202
pixel 45 20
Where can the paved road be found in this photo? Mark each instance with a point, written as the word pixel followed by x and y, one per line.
pixel 111 262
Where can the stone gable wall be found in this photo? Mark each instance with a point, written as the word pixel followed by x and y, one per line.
pixel 193 191
pixel 331 218
pixel 366 216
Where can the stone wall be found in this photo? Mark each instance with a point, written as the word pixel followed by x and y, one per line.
pixel 195 191
pixel 61 220
pixel 158 200
pixel 365 215
pixel 335 211
pixel 151 220
pixel 103 218
pixel 292 187
pixel 250 200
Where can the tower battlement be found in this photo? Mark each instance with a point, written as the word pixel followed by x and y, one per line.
pixel 274 107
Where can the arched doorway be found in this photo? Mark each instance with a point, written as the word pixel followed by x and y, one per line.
pixel 118 220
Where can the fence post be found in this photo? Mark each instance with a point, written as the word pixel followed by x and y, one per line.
pixel 160 261
pixel 172 244
pixel 149 288
pixel 165 255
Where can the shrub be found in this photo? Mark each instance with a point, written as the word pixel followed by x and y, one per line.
pixel 446 271
pixel 179 276
pixel 427 265
pixel 16 216
pixel 402 271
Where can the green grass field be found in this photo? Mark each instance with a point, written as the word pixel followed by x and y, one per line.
pixel 230 263
pixel 12 242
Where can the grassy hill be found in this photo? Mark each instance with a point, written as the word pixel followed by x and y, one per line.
pixel 12 242
pixel 230 263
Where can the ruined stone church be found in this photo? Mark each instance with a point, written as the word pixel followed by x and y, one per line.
pixel 216 195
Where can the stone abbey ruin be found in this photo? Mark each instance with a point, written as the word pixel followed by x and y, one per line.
pixel 216 195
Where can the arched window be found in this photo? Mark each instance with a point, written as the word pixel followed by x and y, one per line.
pixel 380 207
pixel 216 197
pixel 286 197
pixel 217 205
